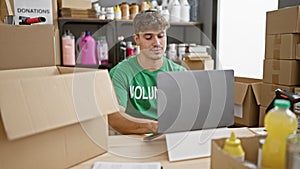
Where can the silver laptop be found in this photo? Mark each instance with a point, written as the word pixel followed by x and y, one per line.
pixel 194 100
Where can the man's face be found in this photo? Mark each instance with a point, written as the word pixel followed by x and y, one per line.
pixel 152 43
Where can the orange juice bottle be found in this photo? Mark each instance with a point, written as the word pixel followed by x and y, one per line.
pixel 279 122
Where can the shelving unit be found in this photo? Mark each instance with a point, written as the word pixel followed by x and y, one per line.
pixel 189 32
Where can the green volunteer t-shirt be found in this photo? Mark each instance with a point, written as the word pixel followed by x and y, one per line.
pixel 136 87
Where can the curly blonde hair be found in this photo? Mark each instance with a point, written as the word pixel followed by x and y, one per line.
pixel 149 20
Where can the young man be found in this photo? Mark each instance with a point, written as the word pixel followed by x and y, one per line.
pixel 134 79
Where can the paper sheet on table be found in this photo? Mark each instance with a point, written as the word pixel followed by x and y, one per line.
pixel 127 165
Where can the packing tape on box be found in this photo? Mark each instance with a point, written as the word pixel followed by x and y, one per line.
pixel 276 46
pixel 275 78
pixel 276 65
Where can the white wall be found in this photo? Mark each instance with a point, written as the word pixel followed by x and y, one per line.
pixel 241 35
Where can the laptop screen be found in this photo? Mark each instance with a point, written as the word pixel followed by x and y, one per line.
pixel 194 100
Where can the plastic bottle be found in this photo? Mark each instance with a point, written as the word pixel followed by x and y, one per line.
pixel 88 50
pixel 68 49
pixel 102 14
pixel 143 6
pixel 164 3
pixel 122 48
pixel 234 148
pixel 159 8
pixel 170 5
pixel 137 50
pixel 154 4
pixel 175 11
pixel 110 13
pixel 279 122
pixel 118 13
pixel 102 51
pixel 181 50
pixel 129 49
pixel 172 53
pixel 78 49
pixel 165 13
pixel 134 9
pixel 125 10
pixel 261 142
pixel 185 11
pixel 194 11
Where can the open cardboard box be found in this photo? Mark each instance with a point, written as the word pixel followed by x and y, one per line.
pixel 220 159
pixel 267 91
pixel 53 117
pixel 246 101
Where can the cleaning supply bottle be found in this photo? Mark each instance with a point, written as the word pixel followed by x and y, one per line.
pixel 175 11
pixel 172 52
pixel 185 11
pixel 121 48
pixel 78 49
pixel 118 13
pixel 234 148
pixel 165 12
pixel 102 51
pixel 154 4
pixel 194 11
pixel 88 50
pixel 68 49
pixel 279 122
pixel 129 49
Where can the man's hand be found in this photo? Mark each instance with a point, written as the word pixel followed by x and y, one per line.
pixel 126 124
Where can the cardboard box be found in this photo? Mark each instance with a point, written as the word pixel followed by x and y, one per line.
pixel 220 159
pixel 283 72
pixel 267 92
pixel 297 90
pixel 281 46
pixel 298 51
pixel 4 10
pixel 198 64
pixel 246 101
pixel 29 46
pixel 75 4
pixel 53 118
pixel 262 114
pixel 284 20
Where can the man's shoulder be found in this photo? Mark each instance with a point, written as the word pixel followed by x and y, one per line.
pixel 124 66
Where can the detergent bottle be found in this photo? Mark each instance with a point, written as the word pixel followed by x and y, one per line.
pixel 88 50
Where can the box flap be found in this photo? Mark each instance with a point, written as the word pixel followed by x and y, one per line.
pixel 240 91
pixel 24 46
pixel 256 91
pixel 27 73
pixel 241 87
pixel 33 105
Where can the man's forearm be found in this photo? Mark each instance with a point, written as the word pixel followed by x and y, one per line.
pixel 126 124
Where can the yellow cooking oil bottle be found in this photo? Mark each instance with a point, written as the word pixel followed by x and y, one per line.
pixel 234 148
pixel 279 122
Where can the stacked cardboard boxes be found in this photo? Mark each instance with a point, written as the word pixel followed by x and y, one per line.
pixel 281 64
